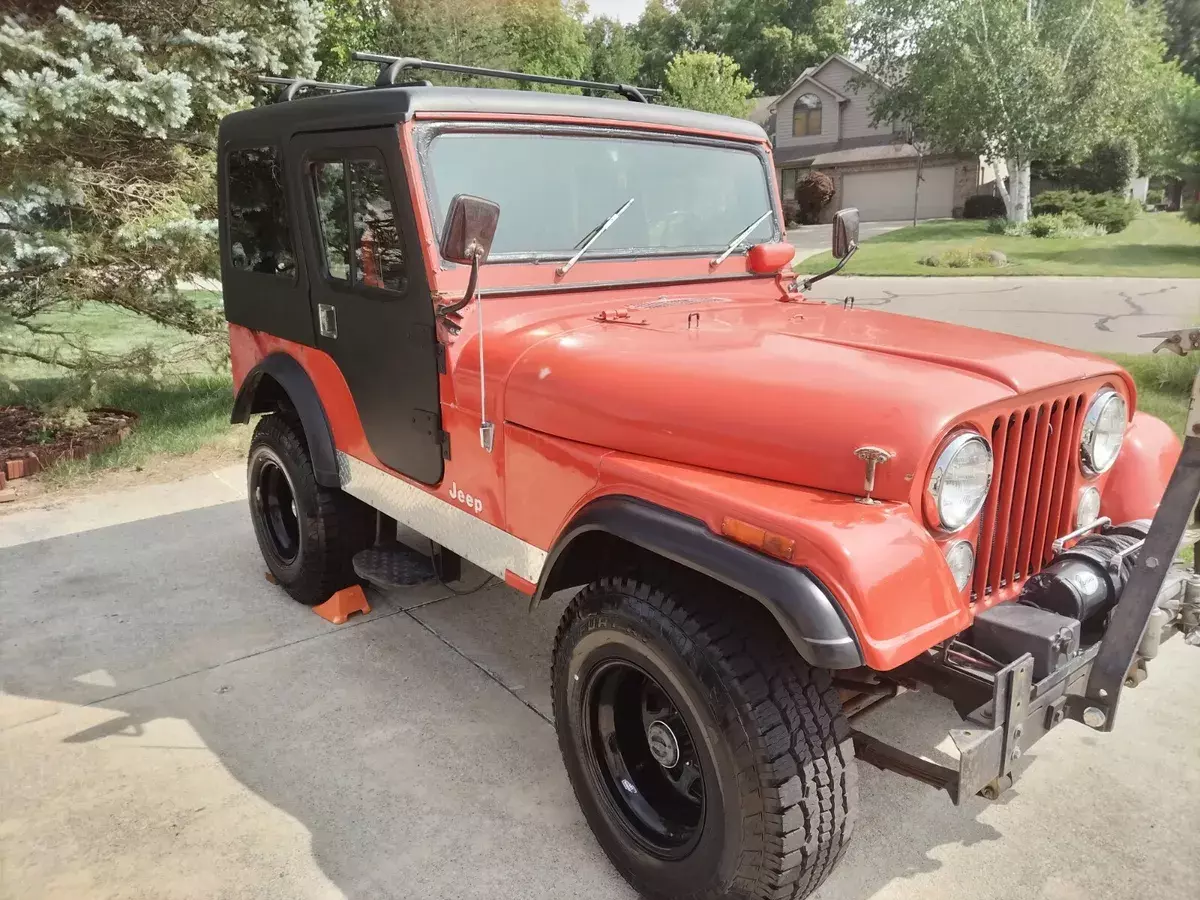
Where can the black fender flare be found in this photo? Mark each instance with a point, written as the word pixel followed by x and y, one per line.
pixel 808 614
pixel 298 387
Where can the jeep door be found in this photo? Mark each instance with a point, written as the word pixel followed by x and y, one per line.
pixel 369 291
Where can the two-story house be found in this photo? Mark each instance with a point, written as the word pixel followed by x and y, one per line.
pixel 823 121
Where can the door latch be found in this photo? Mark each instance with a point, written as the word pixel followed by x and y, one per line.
pixel 327 320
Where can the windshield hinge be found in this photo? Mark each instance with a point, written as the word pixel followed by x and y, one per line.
pixel 444 440
pixel 439 354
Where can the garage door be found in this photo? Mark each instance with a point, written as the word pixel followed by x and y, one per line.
pixel 888 195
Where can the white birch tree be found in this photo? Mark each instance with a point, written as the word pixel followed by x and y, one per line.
pixel 1014 80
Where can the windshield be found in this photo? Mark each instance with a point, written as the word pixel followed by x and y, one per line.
pixel 554 191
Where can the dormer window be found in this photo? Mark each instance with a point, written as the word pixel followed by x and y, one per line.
pixel 806 115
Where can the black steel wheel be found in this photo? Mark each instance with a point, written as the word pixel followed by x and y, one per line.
pixel 644 757
pixel 709 759
pixel 274 502
pixel 307 533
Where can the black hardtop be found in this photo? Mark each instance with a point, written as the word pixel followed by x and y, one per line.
pixel 375 106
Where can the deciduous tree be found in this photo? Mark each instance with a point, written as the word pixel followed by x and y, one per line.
pixel 1017 80
pixel 615 54
pixel 708 82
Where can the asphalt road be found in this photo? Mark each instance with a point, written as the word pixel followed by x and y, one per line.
pixel 1098 314
pixel 172 726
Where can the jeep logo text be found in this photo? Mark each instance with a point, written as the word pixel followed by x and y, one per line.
pixel 465 499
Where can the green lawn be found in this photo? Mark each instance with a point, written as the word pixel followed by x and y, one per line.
pixel 1154 244
pixel 186 411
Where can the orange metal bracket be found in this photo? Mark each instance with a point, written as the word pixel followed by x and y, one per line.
pixel 338 608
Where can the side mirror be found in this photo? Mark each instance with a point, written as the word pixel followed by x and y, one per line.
pixel 470 228
pixel 845 232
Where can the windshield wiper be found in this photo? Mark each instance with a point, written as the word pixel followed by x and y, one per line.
pixel 733 245
pixel 594 235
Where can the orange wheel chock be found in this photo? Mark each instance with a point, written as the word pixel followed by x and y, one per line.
pixel 338 608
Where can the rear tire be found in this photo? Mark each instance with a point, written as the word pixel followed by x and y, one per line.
pixel 724 692
pixel 308 534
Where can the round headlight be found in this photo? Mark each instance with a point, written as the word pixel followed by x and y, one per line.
pixel 960 557
pixel 959 482
pixel 1103 431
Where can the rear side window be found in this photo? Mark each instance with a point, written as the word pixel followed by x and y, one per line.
pixel 360 238
pixel 259 237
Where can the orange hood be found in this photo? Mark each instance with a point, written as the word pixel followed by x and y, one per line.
pixel 782 391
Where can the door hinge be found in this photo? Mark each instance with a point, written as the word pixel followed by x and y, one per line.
pixel 439 353
pixel 444 440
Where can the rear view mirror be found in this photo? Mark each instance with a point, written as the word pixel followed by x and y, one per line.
pixel 845 232
pixel 470 228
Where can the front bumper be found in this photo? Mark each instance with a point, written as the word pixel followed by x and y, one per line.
pixel 1004 717
pixel 1006 712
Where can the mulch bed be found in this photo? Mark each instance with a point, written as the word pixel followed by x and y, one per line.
pixel 29 443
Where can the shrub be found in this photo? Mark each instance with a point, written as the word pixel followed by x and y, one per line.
pixel 984 206
pixel 1051 203
pixel 1068 224
pixel 1109 211
pixel 1191 212
pixel 965 258
pixel 814 190
pixel 1042 226
pixel 997 225
pixel 1155 197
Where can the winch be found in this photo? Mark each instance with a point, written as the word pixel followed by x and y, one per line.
pixel 1087 579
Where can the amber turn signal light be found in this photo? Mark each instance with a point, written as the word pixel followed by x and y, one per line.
pixel 760 539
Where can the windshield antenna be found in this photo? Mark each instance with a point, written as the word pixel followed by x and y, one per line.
pixel 595 236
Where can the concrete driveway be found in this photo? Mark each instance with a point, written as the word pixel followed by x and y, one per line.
pixel 1098 314
pixel 172 726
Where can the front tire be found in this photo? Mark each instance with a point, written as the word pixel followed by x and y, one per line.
pixel 709 759
pixel 308 533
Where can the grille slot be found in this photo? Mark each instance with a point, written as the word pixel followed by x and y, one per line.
pixel 1026 507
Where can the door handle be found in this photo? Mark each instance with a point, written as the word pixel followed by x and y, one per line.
pixel 327 320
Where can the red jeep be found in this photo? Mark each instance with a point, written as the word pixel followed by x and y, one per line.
pixel 560 337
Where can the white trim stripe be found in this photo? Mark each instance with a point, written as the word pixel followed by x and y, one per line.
pixel 492 549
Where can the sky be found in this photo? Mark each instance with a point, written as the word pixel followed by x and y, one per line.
pixel 625 10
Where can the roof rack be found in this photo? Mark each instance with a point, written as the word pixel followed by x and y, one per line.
pixel 390 68
pixel 292 86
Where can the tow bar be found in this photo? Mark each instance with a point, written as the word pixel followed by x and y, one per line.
pixel 1098 706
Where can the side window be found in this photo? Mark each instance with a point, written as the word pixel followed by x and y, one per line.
pixel 361 239
pixel 259 237
pixel 378 246
pixel 329 187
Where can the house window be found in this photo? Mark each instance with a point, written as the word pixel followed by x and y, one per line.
pixel 787 187
pixel 259 237
pixel 806 115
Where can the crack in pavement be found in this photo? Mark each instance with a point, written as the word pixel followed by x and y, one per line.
pixel 1101 324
